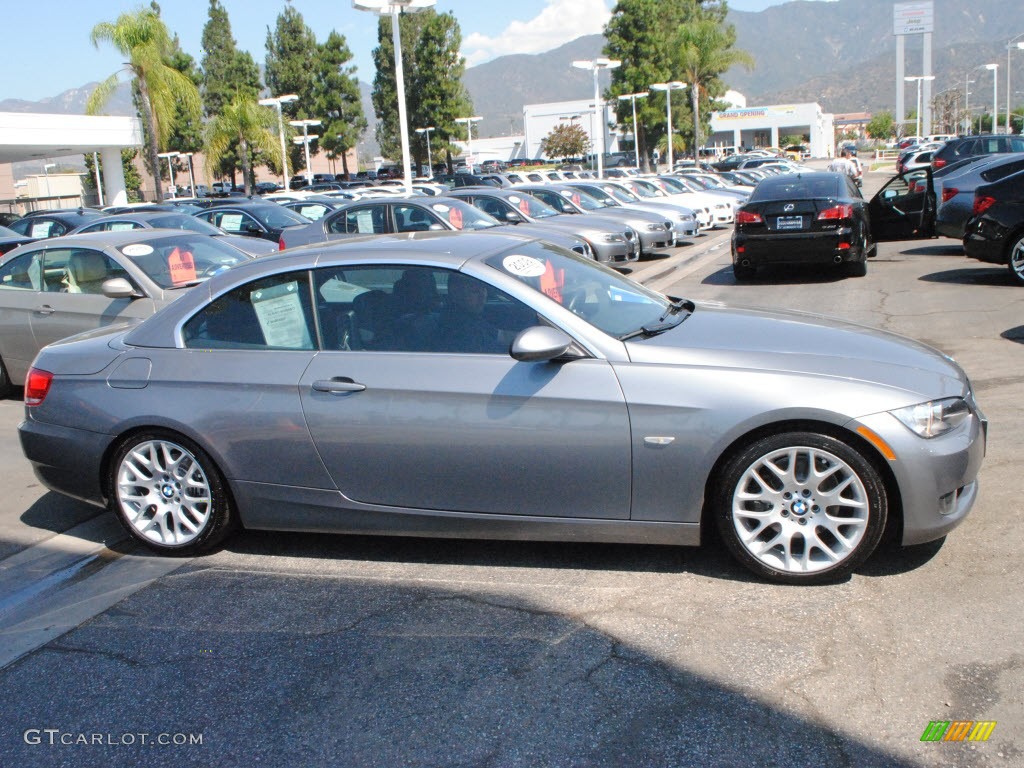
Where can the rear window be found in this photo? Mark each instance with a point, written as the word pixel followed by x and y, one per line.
pixel 1003 170
pixel 801 187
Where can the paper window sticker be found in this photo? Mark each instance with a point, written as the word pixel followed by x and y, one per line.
pixel 231 222
pixel 552 282
pixel 523 266
pixel 182 266
pixel 455 217
pixel 279 311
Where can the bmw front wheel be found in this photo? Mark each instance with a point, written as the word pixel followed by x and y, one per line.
pixel 1016 260
pixel 801 508
pixel 168 494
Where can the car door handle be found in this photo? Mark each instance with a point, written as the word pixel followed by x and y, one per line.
pixel 46 309
pixel 339 384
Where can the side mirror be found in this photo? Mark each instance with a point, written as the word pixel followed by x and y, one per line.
pixel 253 229
pixel 513 217
pixel 539 343
pixel 119 288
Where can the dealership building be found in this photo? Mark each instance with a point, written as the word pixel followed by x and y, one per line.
pixel 753 127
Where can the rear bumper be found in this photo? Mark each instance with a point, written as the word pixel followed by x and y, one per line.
pixel 68 461
pixel 797 248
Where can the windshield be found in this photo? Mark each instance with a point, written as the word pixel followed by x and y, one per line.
pixel 531 206
pixel 644 190
pixel 606 299
pixel 181 260
pixel 620 194
pixel 602 197
pixel 462 215
pixel 180 221
pixel 277 216
pixel 582 200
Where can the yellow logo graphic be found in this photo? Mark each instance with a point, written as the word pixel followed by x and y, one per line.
pixel 958 730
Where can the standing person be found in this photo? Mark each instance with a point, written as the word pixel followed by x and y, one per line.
pixel 842 164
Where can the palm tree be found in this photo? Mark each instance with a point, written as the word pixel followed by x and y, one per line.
pixel 143 39
pixel 703 50
pixel 251 126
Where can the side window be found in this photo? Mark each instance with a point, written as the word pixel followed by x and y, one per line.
pixel 232 222
pixel 269 313
pixel 42 228
pixel 365 220
pixel 23 273
pixel 55 270
pixel 416 309
pixel 313 212
pixel 491 206
pixel 86 270
pixel 410 218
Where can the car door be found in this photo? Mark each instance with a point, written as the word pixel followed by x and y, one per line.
pixel 420 426
pixel 899 212
pixel 70 304
pixel 20 297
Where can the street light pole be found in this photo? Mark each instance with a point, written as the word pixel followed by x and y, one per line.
pixel 1009 48
pixel 918 79
pixel 170 168
pixel 967 104
pixel 995 87
pixel 392 8
pixel 306 138
pixel 469 130
pixel 46 170
pixel 430 160
pixel 668 87
pixel 596 65
pixel 636 139
pixel 277 101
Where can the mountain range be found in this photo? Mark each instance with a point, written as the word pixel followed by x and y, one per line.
pixel 840 54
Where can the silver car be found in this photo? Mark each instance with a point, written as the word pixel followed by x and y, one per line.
pixel 52 289
pixel 494 386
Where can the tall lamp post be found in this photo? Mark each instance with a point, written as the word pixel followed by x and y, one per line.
pixel 469 130
pixel 636 141
pixel 1009 47
pixel 392 8
pixel 277 101
pixel 595 66
pixel 170 168
pixel 673 85
pixel 967 104
pixel 994 68
pixel 46 171
pixel 430 160
pixel 918 79
pixel 306 138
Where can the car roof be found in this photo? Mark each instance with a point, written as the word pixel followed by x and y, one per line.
pixel 115 239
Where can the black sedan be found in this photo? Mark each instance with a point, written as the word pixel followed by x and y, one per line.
pixel 9 239
pixel 253 219
pixel 995 232
pixel 146 219
pixel 817 218
pixel 39 225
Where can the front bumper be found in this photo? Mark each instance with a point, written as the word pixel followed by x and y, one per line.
pixel 937 477
pixel 616 253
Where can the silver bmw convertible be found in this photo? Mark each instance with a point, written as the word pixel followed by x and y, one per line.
pixel 496 386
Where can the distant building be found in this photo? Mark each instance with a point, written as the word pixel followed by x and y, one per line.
pixel 763 126
pixel 852 122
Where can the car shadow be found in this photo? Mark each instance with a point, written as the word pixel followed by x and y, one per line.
pixel 953 248
pixel 780 275
pixel 970 276
pixel 1014 334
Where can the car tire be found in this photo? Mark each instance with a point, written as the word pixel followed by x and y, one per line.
pixel 856 268
pixel 6 388
pixel 742 273
pixel 168 494
pixel 800 507
pixel 1015 259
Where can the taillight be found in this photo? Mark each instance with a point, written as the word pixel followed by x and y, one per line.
pixel 844 211
pixel 747 217
pixel 982 203
pixel 936 164
pixel 280 243
pixel 949 193
pixel 37 386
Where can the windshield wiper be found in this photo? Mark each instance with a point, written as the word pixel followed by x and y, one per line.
pixel 653 329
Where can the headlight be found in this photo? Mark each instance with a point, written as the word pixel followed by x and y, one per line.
pixel 613 238
pixel 686 217
pixel 934 418
pixel 655 227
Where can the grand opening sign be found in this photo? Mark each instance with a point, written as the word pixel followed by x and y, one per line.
pixel 913 18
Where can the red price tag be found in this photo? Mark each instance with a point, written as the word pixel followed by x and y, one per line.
pixel 455 217
pixel 182 266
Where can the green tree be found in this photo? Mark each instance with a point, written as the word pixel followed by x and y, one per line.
pixel 142 38
pixel 336 96
pixel 702 50
pixel 247 125
pixel 227 71
pixel 291 51
pixel 566 140
pixel 434 92
pixel 881 126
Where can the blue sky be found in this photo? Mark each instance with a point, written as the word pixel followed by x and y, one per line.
pixel 47 49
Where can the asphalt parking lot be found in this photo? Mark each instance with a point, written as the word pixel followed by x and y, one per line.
pixel 296 650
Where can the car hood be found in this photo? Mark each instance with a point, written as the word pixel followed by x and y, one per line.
pixel 254 246
pixel 803 343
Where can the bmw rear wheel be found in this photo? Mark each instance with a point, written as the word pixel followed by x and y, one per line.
pixel 801 508
pixel 1016 260
pixel 5 381
pixel 168 494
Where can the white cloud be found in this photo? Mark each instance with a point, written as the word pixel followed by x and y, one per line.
pixel 559 22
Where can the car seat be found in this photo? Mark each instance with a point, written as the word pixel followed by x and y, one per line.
pixel 86 272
